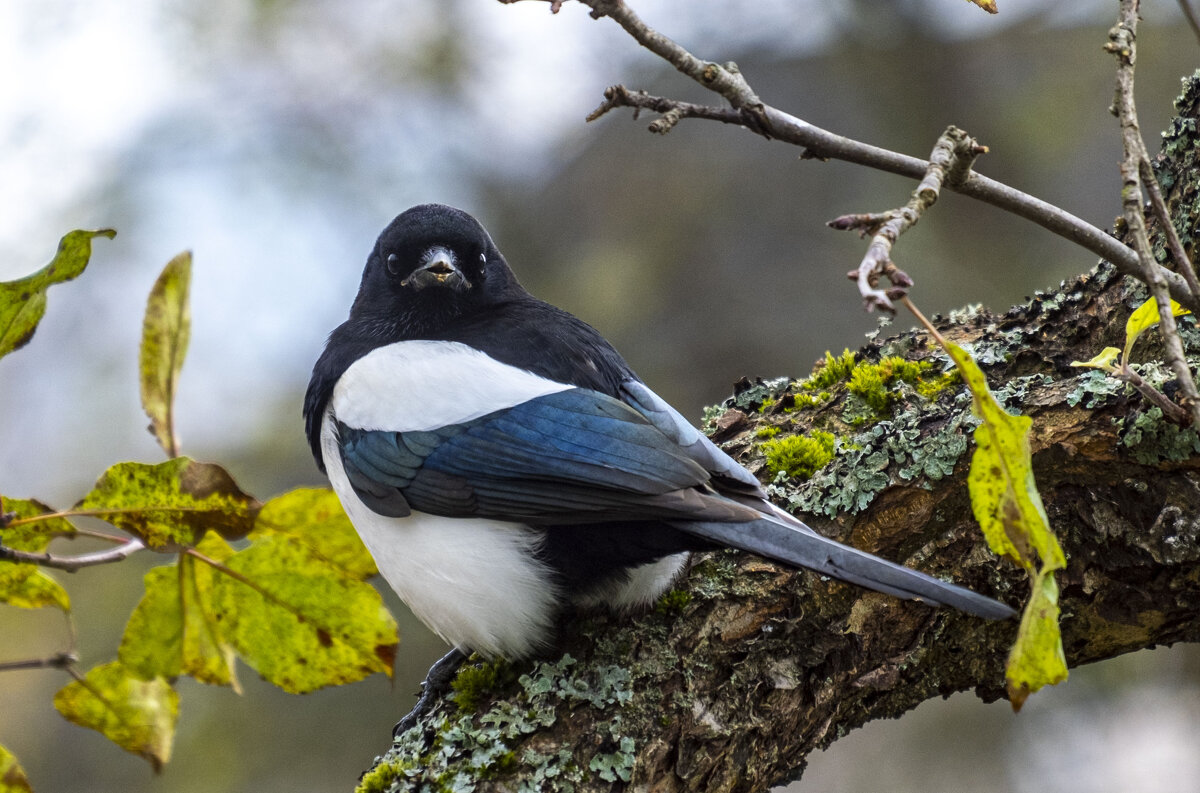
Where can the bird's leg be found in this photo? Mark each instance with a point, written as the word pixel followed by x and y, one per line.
pixel 436 682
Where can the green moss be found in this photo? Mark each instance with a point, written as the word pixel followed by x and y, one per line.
pixel 673 601
pixel 874 382
pixel 767 432
pixel 473 683
pixel 830 371
pixel 799 456
pixel 766 405
pixel 805 401
pixel 932 387
pixel 378 779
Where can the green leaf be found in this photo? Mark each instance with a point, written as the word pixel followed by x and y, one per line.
pixel 1105 360
pixel 314 518
pixel 1004 496
pixel 24 584
pixel 165 331
pixel 1037 658
pixel 173 630
pixel 171 504
pixel 1145 317
pixel 137 715
pixel 12 776
pixel 299 622
pixel 23 302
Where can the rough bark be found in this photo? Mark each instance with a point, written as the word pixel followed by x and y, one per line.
pixel 734 678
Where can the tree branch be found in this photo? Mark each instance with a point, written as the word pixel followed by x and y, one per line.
pixel 73 563
pixel 950 162
pixel 770 122
pixel 1135 166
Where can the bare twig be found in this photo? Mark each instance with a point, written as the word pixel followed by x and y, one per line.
pixel 949 164
pixel 818 143
pixel 672 111
pixel 1135 165
pixel 72 563
pixel 61 660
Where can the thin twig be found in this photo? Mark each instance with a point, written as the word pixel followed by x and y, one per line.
pixel 72 563
pixel 61 660
pixel 672 111
pixel 1183 263
pixel 818 143
pixel 1135 163
pixel 949 163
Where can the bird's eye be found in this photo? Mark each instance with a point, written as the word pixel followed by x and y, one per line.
pixel 483 258
pixel 393 264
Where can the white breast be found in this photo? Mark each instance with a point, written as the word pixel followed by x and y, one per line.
pixel 424 385
pixel 476 583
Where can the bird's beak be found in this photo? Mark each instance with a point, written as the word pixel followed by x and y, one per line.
pixel 439 269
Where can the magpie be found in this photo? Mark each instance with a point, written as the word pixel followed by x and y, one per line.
pixel 502 462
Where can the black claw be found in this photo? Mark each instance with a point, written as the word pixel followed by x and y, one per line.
pixel 436 683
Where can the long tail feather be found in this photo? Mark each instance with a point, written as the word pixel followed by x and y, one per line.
pixel 785 539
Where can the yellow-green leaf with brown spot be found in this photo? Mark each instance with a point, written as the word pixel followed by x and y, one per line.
pixel 171 504
pixel 23 302
pixel 165 331
pixel 24 584
pixel 174 629
pixel 300 622
pixel 1037 658
pixel 12 776
pixel 137 715
pixel 314 518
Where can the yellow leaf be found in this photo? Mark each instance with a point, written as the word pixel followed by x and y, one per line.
pixel 24 584
pixel 23 302
pixel 987 5
pixel 172 503
pixel 137 715
pixel 165 331
pixel 298 621
pixel 1037 657
pixel 314 517
pixel 173 629
pixel 1102 361
pixel 1004 496
pixel 12 776
pixel 1145 317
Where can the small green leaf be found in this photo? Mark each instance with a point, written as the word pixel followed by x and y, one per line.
pixel 1105 360
pixel 299 622
pixel 1004 496
pixel 12 776
pixel 1145 317
pixel 173 630
pixel 165 331
pixel 171 504
pixel 23 302
pixel 314 517
pixel 137 715
pixel 1037 658
pixel 24 584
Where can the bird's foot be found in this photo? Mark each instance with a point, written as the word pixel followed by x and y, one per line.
pixel 436 682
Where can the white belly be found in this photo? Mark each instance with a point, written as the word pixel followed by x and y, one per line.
pixel 476 583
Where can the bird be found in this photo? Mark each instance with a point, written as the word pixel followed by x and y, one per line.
pixel 503 463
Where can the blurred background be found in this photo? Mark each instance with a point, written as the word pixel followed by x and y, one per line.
pixel 275 138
